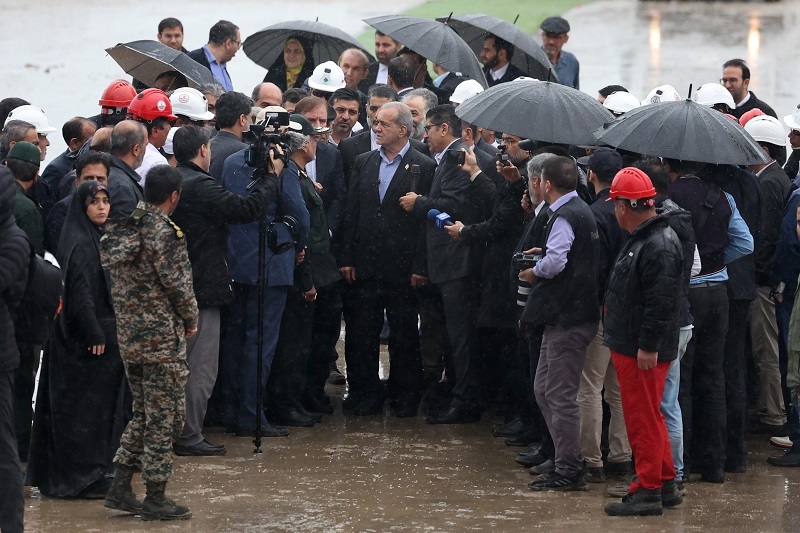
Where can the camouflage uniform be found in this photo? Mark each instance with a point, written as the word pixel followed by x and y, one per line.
pixel 154 302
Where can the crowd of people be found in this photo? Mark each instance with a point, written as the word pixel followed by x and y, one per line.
pixel 545 283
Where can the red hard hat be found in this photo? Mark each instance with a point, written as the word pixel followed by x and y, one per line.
pixel 632 184
pixel 150 104
pixel 118 94
pixel 753 113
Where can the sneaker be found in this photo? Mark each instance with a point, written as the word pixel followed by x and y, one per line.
pixel 544 468
pixel 643 502
pixel 781 442
pixel 595 474
pixel 557 482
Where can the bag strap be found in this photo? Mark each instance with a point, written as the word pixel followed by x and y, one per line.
pixel 712 197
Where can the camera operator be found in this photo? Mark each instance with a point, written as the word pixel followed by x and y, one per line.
pixel 203 214
pixel 239 349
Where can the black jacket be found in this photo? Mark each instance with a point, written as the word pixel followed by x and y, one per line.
pixel 643 297
pixel 792 165
pixel 380 239
pixel 203 212
pixel 610 237
pixel 15 254
pixel 223 144
pixel 680 221
pixel 199 56
pixel 334 190
pixel 360 143
pixel 46 187
pixel 511 74
pixel 123 188
pixel 753 103
pixel 774 191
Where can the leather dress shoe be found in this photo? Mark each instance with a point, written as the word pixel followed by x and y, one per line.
pixel 456 414
pixel 369 406
pixel 528 459
pixel 316 416
pixel 509 429
pixel 352 401
pixel 788 459
pixel 523 439
pixel 267 430
pixel 202 448
pixel 293 418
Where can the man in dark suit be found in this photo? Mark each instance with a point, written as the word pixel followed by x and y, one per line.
pixel 376 228
pixel 224 40
pixel 451 263
pixel 386 48
pixel 496 57
pixel 233 118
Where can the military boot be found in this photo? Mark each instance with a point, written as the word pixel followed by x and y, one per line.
pixel 156 505
pixel 121 496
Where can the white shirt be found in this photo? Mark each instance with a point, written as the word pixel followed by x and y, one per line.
pixel 311 170
pixel 438 157
pixel 499 73
pixel 373 140
pixel 744 100
pixel 152 157
pixel 383 73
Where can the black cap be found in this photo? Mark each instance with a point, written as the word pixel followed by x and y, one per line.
pixel 604 161
pixel 555 25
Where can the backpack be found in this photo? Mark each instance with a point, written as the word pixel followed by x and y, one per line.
pixel 41 303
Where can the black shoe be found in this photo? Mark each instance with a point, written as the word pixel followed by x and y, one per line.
pixel 788 459
pixel 202 448
pixel 713 475
pixel 293 418
pixel 528 459
pixel 523 439
pixel 370 406
pixel 557 482
pixel 595 474
pixel 317 417
pixel 510 429
pixel 456 414
pixel 761 428
pixel 736 467
pixel 352 401
pixel 405 411
pixel 267 430
pixel 643 502
pixel 672 494
pixel 336 377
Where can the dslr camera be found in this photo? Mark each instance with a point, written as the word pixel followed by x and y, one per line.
pixel 523 261
pixel 502 155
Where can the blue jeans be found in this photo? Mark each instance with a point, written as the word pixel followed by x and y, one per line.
pixel 671 408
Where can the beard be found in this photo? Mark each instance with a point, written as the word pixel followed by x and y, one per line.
pixel 418 131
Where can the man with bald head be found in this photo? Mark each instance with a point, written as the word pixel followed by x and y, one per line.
pixel 355 65
pixel 267 94
pixel 128 144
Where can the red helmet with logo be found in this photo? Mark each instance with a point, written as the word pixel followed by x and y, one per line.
pixel 631 184
pixel 150 104
pixel 118 94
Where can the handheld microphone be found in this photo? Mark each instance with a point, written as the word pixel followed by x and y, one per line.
pixel 439 219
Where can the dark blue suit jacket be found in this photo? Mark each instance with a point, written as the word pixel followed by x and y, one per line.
pixel 243 238
pixel 330 175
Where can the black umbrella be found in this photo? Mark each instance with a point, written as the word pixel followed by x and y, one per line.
pixel 683 130
pixel 528 55
pixel 327 42
pixel 147 60
pixel 434 41
pixel 539 110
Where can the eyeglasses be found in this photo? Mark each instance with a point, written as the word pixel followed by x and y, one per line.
pixel 429 126
pixel 237 43
pixel 732 81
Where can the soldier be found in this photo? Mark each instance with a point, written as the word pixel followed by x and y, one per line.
pixel 154 300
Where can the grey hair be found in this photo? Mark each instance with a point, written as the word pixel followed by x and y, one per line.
pixel 360 53
pixel 14 131
pixel 428 96
pixel 295 141
pixel 254 111
pixel 214 89
pixel 404 117
pixel 537 162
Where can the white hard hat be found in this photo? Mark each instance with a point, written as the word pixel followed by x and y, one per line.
pixel 621 102
pixel 33 115
pixel 765 128
pixel 711 94
pixel 464 90
pixel 190 103
pixel 793 120
pixel 327 76
pixel 168 145
pixel 662 93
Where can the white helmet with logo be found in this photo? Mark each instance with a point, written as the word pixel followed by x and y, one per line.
pixel 464 90
pixel 662 93
pixel 190 103
pixel 621 102
pixel 766 129
pixel 711 94
pixel 33 115
pixel 327 77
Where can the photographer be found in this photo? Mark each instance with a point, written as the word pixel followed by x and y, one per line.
pixel 239 350
pixel 203 214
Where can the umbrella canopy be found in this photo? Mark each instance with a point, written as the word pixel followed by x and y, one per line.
pixel 528 56
pixel 434 41
pixel 683 130
pixel 327 42
pixel 539 110
pixel 147 60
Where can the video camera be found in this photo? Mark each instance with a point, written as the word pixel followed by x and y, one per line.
pixel 263 138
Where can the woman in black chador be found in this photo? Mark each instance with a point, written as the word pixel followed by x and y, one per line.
pixel 78 420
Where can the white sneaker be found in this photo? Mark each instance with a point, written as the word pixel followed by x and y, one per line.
pixel 781 442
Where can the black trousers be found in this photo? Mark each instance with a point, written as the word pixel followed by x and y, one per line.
pixel 702 389
pixel 24 385
pixel 11 502
pixel 736 383
pixel 362 351
pixel 460 300
pixel 434 342
pixel 326 330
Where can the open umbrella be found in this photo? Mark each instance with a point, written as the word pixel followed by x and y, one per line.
pixel 434 41
pixel 683 130
pixel 528 56
pixel 327 42
pixel 147 60
pixel 539 110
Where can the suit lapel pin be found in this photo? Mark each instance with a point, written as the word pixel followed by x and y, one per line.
pixel 406 166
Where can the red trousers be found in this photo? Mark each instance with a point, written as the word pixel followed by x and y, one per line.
pixel 641 392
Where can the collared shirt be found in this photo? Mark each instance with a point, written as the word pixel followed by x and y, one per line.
pixel 388 169
pixel 758 174
pixel 383 74
pixel 740 243
pixel 311 170
pixel 568 70
pixel 438 157
pixel 373 140
pixel 499 73
pixel 219 70
pixel 152 157
pixel 559 242
pixel 538 208
pixel 744 100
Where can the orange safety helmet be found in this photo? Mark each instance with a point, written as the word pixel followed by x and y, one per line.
pixel 118 94
pixel 631 184
pixel 150 104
